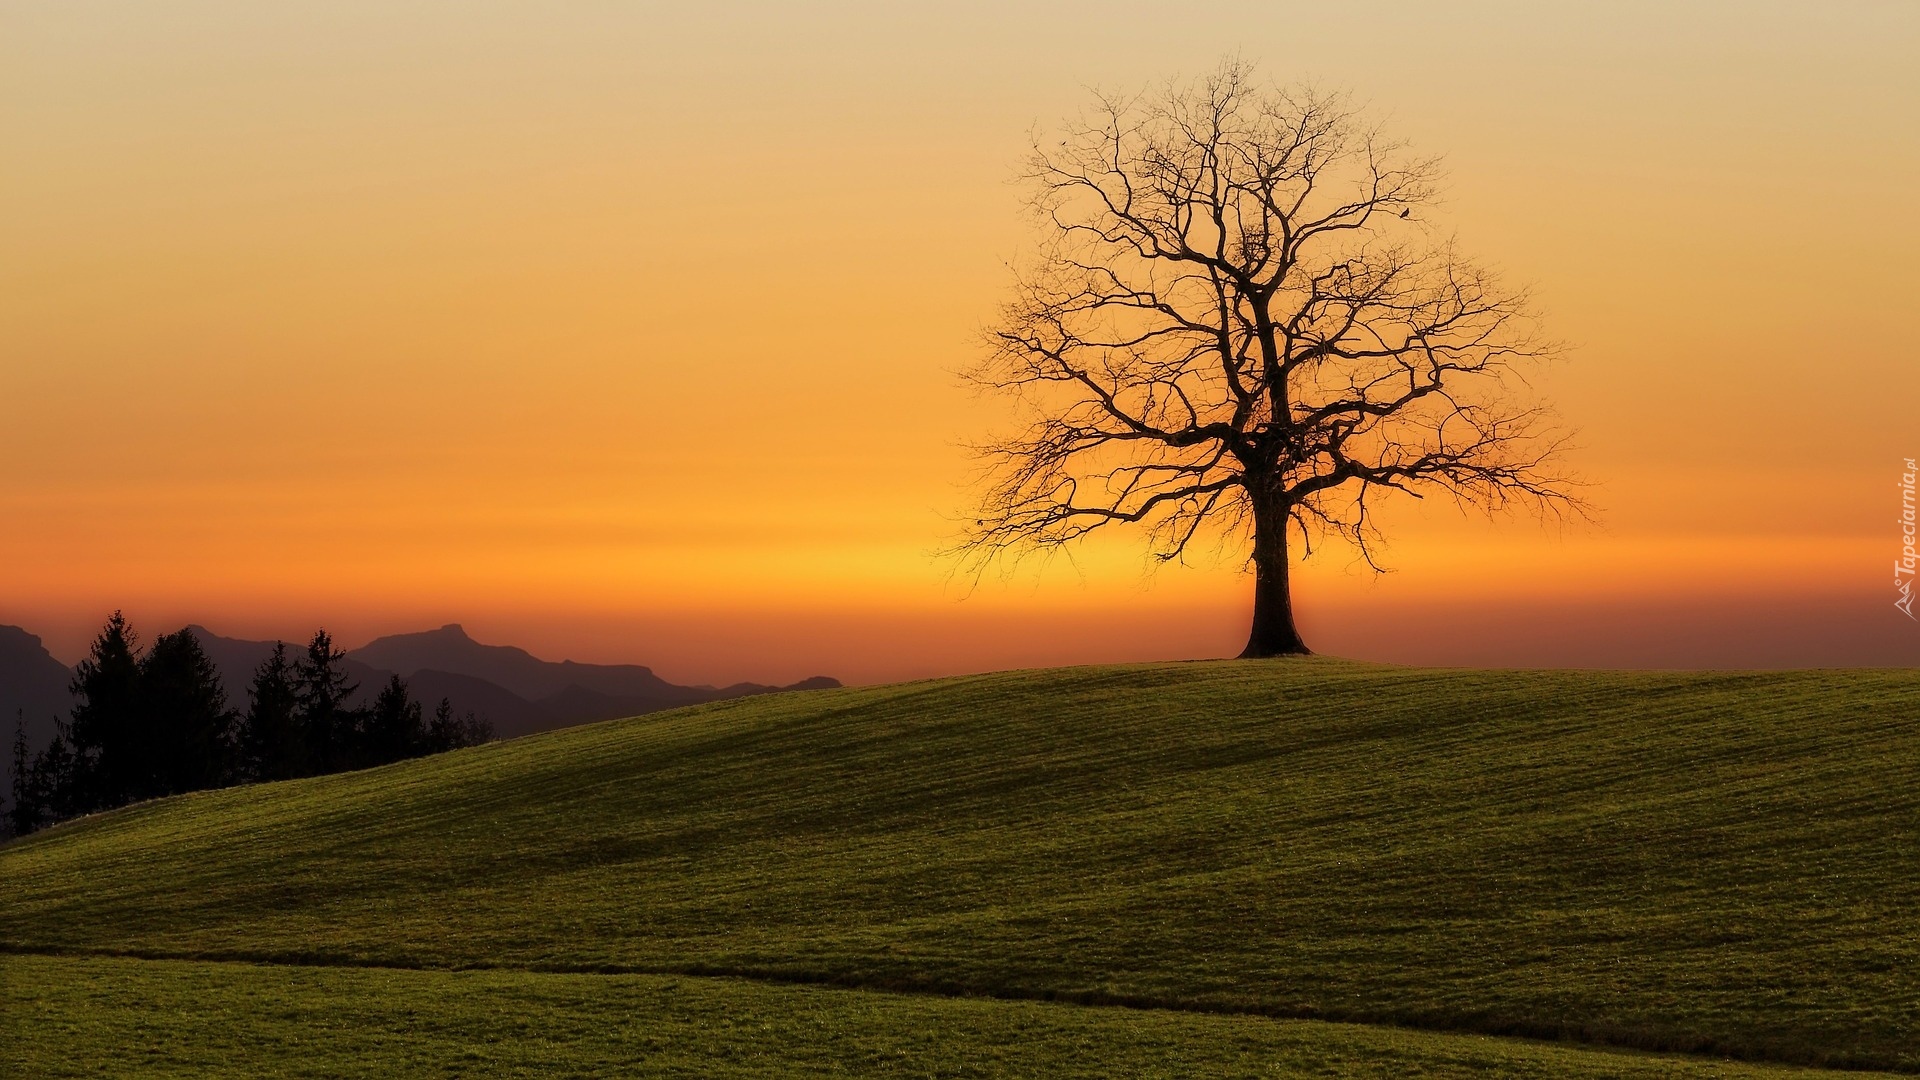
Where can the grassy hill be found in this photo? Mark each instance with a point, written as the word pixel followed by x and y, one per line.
pixel 84 1018
pixel 1678 862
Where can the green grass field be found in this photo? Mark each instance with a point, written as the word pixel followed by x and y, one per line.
pixel 197 1020
pixel 1687 863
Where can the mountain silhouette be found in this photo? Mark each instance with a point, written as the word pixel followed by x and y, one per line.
pixel 516 692
pixel 33 687
pixel 449 649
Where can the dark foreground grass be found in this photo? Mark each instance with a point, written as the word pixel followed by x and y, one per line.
pixel 1684 862
pixel 85 1018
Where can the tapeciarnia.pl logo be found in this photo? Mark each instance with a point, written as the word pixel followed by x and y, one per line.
pixel 1903 567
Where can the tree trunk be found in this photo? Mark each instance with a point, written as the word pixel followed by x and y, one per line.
pixel 1273 630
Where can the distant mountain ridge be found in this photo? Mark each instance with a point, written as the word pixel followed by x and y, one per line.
pixel 451 650
pixel 33 691
pixel 511 688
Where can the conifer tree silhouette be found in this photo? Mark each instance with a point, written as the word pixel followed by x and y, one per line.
pixel 393 729
pixel 322 692
pixel 272 744
pixel 106 765
pixel 186 728
pixel 24 815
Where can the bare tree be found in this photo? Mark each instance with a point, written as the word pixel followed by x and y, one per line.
pixel 1240 323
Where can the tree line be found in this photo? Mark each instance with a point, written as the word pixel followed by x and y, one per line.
pixel 158 722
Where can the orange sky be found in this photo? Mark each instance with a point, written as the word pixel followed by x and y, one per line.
pixel 627 332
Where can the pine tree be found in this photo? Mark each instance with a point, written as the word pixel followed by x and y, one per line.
pixel 60 780
pixel 272 743
pixel 322 691
pixel 441 729
pixel 446 732
pixel 24 815
pixel 188 729
pixel 108 767
pixel 393 729
pixel 473 731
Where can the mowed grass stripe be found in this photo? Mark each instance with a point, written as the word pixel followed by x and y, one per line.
pixel 1720 862
pixel 82 1018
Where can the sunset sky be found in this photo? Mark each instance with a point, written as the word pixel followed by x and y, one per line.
pixel 628 332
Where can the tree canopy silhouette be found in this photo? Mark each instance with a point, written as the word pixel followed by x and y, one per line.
pixel 1241 323
pixel 322 693
pixel 25 815
pixel 187 733
pixel 449 732
pixel 393 728
pixel 108 738
pixel 272 744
